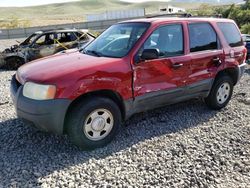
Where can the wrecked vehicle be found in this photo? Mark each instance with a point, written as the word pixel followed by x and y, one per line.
pixel 132 67
pixel 41 44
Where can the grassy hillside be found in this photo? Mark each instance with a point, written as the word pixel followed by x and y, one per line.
pixel 71 12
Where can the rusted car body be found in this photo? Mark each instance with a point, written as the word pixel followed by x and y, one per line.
pixel 42 44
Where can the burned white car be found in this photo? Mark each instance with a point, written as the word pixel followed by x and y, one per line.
pixel 42 44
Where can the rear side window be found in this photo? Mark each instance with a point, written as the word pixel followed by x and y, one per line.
pixel 231 34
pixel 202 37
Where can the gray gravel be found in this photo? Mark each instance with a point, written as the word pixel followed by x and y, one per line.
pixel 182 145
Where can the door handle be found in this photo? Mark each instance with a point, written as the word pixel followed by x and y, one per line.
pixel 217 61
pixel 177 65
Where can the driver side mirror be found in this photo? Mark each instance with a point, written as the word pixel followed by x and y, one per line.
pixel 149 54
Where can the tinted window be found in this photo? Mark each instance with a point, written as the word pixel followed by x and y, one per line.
pixel 231 33
pixel 202 37
pixel 168 39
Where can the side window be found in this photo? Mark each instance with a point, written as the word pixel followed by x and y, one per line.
pixel 41 40
pixel 231 34
pixel 202 37
pixel 72 37
pixel 81 36
pixel 167 39
pixel 64 37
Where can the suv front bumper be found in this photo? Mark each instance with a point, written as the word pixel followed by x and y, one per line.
pixel 47 115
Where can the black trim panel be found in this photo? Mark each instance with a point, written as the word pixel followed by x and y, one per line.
pixel 47 115
pixel 165 97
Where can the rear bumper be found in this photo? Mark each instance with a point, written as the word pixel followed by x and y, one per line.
pixel 46 115
pixel 241 70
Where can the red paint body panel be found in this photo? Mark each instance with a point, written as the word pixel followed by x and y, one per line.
pixel 75 74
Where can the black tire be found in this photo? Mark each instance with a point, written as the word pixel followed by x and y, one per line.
pixel 13 63
pixel 75 123
pixel 212 101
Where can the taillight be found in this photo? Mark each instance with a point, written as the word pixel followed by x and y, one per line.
pixel 245 53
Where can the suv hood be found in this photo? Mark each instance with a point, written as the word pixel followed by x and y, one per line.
pixel 61 66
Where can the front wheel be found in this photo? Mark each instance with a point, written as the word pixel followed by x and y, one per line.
pixel 220 93
pixel 93 123
pixel 13 63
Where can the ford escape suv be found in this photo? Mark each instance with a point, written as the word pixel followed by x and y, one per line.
pixel 132 67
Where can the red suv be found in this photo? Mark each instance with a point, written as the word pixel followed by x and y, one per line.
pixel 132 67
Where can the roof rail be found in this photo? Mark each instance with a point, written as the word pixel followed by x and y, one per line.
pixel 184 15
pixel 209 16
pixel 187 15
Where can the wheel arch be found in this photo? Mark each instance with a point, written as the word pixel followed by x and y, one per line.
pixel 110 94
pixel 14 56
pixel 233 72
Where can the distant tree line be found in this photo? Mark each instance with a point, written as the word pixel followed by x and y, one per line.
pixel 239 13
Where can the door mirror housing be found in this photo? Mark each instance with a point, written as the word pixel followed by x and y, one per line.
pixel 149 54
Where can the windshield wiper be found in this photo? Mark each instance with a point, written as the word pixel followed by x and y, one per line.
pixel 98 54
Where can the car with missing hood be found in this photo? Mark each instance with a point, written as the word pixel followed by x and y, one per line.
pixel 44 43
pixel 132 67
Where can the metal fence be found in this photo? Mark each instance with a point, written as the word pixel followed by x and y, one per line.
pixel 25 32
pixel 116 14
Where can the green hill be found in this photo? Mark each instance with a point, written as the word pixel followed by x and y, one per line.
pixel 71 12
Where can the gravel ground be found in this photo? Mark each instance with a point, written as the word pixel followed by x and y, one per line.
pixel 182 145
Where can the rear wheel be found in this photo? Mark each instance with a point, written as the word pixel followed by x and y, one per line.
pixel 220 93
pixel 93 123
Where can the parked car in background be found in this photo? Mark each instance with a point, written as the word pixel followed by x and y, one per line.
pixel 42 44
pixel 246 39
pixel 132 67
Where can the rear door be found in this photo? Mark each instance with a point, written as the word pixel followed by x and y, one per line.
pixel 206 54
pixel 161 81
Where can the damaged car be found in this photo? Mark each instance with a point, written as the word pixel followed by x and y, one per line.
pixel 43 43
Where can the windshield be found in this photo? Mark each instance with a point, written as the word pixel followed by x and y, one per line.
pixel 116 41
pixel 30 39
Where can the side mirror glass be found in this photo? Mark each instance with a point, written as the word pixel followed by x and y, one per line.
pixel 149 54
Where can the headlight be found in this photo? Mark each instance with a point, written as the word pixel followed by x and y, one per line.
pixel 38 91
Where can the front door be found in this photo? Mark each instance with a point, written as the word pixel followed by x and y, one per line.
pixel 42 47
pixel 161 81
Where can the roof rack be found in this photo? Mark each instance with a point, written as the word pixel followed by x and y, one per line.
pixel 209 16
pixel 184 15
pixel 187 15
